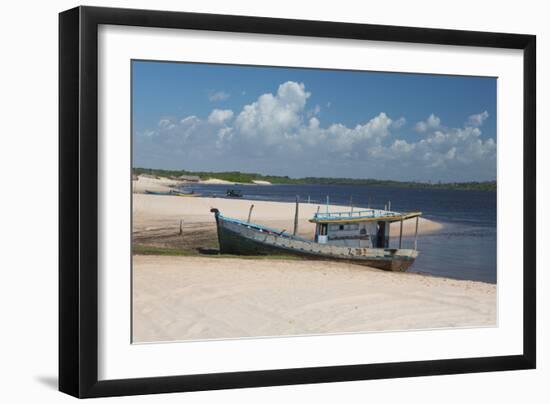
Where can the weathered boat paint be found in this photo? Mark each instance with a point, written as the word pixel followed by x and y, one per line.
pixel 242 238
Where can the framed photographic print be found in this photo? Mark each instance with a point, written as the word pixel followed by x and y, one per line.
pixel 251 202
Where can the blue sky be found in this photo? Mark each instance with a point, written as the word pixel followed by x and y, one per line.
pixel 311 122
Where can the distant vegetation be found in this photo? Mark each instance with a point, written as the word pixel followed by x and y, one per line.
pixel 247 178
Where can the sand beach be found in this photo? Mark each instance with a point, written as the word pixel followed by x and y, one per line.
pixel 179 294
pixel 149 183
pixel 186 298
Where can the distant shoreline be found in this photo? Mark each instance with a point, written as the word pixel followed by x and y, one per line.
pixel 236 177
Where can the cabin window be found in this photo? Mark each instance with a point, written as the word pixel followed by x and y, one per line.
pixel 344 227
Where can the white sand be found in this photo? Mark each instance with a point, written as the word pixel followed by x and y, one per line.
pixel 216 181
pixel 167 211
pixel 146 183
pixel 260 182
pixel 179 298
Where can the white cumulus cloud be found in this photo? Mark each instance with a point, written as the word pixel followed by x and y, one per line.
pixel 432 122
pixel 220 116
pixel 477 119
pixel 399 123
pixel 274 118
pixel 277 133
pixel 218 96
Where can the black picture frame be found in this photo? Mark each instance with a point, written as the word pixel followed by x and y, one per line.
pixel 78 201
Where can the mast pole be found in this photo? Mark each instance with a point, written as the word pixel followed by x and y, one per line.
pixel 250 213
pixel 296 216
pixel 400 233
pixel 416 234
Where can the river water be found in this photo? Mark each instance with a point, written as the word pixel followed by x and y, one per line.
pixel 464 249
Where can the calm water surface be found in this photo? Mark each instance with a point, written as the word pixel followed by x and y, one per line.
pixel 464 249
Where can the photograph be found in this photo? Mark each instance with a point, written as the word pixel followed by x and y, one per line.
pixel 244 202
pixel 276 201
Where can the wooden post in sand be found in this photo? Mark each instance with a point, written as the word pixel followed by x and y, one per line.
pixel 400 232
pixel 250 213
pixel 416 233
pixel 296 216
pixel 351 203
pixel 181 227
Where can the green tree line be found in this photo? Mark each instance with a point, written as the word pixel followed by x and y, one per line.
pixel 247 178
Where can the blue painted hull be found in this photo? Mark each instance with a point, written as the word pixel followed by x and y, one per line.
pixel 241 238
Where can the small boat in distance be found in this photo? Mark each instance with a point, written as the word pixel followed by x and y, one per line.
pixel 156 192
pixel 361 236
pixel 173 192
pixel 233 193
pixel 185 194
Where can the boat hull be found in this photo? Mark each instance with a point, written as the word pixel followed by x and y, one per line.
pixel 172 193
pixel 238 238
pixel 186 195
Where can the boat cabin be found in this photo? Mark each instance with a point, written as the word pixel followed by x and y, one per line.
pixel 366 228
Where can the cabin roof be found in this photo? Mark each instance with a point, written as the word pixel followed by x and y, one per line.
pixel 366 215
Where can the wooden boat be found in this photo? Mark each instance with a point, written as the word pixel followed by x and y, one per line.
pixel 156 192
pixel 360 236
pixel 173 192
pixel 186 194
